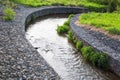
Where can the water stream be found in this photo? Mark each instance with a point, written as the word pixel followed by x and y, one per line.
pixel 59 53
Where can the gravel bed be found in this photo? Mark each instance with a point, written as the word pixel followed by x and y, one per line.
pixel 18 59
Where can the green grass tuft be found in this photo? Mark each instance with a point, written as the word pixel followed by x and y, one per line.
pixel 9 14
pixel 70 36
pixel 94 58
pixel 103 61
pixel 62 29
pixel 87 51
pixel 79 45
pixel 100 60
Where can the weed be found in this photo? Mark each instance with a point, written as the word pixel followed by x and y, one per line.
pixel 9 14
pixel 103 61
pixel 75 40
pixel 100 60
pixel 62 29
pixel 70 36
pixel 79 45
pixel 87 51
pixel 94 58
pixel 65 27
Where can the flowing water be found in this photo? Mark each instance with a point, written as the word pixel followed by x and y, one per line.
pixel 60 54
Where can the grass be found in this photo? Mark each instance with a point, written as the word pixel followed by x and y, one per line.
pixel 107 21
pixel 8 14
pixel 70 36
pixel 112 5
pixel 64 29
pixel 8 11
pixel 79 45
pixel 100 60
pixel 85 3
pixel 87 52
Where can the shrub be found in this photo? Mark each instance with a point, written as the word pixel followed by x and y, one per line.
pixel 79 45
pixel 62 29
pixel 9 14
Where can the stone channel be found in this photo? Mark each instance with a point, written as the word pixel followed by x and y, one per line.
pixel 18 58
pixel 59 53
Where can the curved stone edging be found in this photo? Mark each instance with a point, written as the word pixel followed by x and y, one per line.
pixel 91 38
pixel 54 10
pixel 19 59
